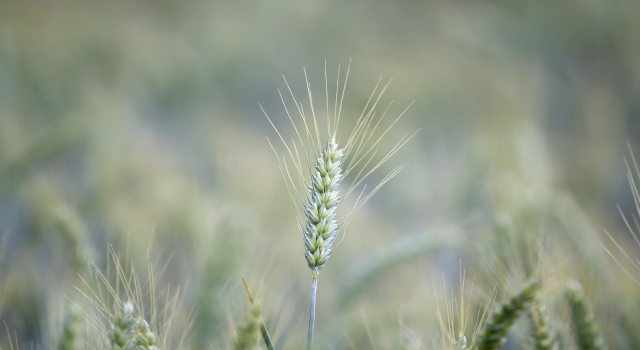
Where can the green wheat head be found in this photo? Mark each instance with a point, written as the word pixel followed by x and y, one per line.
pixel 320 163
pixel 542 334
pixel 317 164
pixel 115 310
pixel 587 334
pixel 144 338
pixel 248 335
pixel 497 328
pixel 121 333
pixel 70 339
pixel 323 202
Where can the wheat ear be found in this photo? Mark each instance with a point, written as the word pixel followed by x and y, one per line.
pixel 145 339
pixel 320 211
pixel 69 338
pixel 248 334
pixel 497 328
pixel 542 335
pixel 263 328
pixel 587 333
pixel 120 335
pixel 317 199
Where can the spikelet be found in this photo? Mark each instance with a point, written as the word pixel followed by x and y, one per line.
pixel 497 328
pixel 121 335
pixel 542 335
pixel 145 339
pixel 587 333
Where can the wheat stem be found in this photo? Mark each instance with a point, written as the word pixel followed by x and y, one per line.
pixel 312 311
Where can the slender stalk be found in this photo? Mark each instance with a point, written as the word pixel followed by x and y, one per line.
pixel 312 312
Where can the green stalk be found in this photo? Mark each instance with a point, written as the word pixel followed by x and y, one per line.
pixel 312 312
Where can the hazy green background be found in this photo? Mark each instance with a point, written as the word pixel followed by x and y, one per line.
pixel 126 120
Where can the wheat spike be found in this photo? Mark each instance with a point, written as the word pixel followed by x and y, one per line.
pixel 70 337
pixel 319 165
pixel 542 335
pixel 120 335
pixel 145 339
pixel 497 328
pixel 320 211
pixel 263 328
pixel 586 331
pixel 248 334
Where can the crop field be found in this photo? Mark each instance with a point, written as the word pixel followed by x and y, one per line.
pixel 280 174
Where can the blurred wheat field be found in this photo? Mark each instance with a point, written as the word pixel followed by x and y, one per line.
pixel 137 185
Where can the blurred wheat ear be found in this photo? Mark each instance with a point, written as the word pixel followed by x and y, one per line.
pixel 263 328
pixel 497 328
pixel 542 335
pixel 320 164
pixel 120 335
pixel 587 333
pixel 69 339
pixel 145 338
pixel 117 305
pixel 248 334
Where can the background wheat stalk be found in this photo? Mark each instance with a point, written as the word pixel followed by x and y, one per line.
pixel 317 165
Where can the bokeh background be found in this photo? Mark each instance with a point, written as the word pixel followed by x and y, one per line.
pixel 136 125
